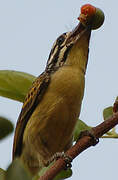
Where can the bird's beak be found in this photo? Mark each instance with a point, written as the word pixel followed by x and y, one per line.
pixel 79 31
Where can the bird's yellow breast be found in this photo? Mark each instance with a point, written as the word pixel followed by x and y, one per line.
pixel 68 83
pixel 50 127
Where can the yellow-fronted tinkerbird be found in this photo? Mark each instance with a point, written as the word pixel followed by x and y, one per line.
pixel 52 106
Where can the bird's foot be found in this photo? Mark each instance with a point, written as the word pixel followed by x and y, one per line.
pixel 90 134
pixel 68 159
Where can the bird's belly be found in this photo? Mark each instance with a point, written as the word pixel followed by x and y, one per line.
pixel 50 127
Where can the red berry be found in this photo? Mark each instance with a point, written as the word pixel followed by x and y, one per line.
pixel 88 10
pixel 91 16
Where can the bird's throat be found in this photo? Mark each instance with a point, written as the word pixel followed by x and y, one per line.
pixel 78 55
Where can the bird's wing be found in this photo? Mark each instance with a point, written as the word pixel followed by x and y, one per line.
pixel 32 99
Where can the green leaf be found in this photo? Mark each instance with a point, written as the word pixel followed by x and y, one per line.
pixel 80 126
pixel 62 175
pixel 2 174
pixel 107 112
pixel 6 127
pixel 17 171
pixel 42 171
pixel 14 84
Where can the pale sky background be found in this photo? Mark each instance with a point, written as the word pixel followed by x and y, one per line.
pixel 28 29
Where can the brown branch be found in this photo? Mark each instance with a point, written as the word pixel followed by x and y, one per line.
pixel 80 146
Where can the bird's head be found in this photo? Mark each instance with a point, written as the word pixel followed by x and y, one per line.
pixel 67 44
pixel 74 44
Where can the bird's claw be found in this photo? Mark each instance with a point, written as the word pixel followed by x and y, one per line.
pixel 90 134
pixel 68 159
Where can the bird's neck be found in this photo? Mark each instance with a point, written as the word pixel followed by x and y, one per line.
pixel 78 55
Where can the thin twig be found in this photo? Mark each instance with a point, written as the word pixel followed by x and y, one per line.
pixel 110 136
pixel 80 146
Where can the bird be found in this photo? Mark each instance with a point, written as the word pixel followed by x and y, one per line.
pixel 52 106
